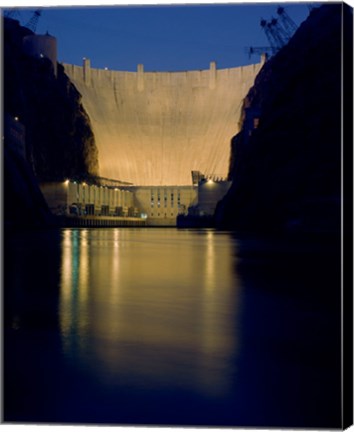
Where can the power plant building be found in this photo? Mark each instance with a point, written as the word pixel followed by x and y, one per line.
pixel 81 199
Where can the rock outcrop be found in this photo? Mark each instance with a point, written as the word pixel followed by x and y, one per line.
pixel 56 140
pixel 24 205
pixel 286 161
pixel 59 140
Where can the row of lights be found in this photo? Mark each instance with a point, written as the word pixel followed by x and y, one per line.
pixel 67 181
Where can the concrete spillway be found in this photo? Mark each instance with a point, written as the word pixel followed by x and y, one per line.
pixel 154 128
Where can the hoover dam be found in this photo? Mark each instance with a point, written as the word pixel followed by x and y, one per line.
pixel 154 128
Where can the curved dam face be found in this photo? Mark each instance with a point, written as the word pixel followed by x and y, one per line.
pixel 154 128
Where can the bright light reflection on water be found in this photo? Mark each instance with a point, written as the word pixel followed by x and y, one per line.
pixel 171 327
pixel 155 308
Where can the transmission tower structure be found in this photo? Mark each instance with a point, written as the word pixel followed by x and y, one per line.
pixel 272 37
pixel 287 23
pixel 32 23
pixel 279 33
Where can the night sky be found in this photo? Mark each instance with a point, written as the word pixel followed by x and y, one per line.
pixel 163 38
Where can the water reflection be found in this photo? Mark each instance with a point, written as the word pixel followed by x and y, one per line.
pixel 156 309
pixel 174 327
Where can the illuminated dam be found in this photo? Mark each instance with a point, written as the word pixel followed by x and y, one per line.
pixel 154 128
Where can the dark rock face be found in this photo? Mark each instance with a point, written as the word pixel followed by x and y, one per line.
pixel 59 140
pixel 286 172
pixel 24 204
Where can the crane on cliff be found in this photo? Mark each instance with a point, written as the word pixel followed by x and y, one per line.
pixel 32 23
pixel 286 21
pixel 278 31
pixel 281 34
pixel 274 37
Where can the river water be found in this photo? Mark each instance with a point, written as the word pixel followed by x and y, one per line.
pixel 170 327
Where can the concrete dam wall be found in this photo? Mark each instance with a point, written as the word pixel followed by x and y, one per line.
pixel 154 128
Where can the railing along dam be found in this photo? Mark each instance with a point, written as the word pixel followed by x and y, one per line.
pixel 154 128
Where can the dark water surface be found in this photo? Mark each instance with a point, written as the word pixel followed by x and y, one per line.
pixel 170 327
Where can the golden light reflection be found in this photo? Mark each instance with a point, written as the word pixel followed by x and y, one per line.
pixel 210 274
pixel 114 293
pixel 128 294
pixel 83 279
pixel 83 266
pixel 113 306
pixel 74 285
pixel 66 282
pixel 218 337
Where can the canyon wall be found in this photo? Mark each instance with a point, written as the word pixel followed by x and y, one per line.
pixel 286 160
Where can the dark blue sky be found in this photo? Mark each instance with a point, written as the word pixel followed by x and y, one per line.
pixel 161 37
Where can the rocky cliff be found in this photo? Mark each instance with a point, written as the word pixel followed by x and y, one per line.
pixel 24 205
pixel 286 161
pixel 55 130
pixel 59 140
